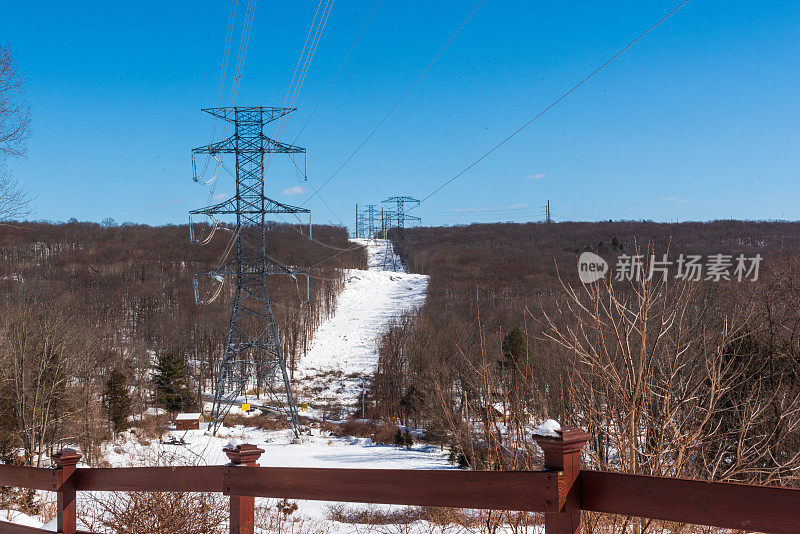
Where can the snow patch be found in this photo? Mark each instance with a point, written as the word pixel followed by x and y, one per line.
pixel 549 428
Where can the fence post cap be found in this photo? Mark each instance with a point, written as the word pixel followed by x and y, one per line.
pixel 568 439
pixel 243 454
pixel 66 457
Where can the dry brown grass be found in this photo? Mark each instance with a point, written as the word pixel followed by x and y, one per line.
pixel 156 513
pixel 278 518
pixel 260 422
pixel 151 427
pixel 377 432
pixel 434 520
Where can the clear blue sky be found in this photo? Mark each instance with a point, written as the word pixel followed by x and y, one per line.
pixel 700 120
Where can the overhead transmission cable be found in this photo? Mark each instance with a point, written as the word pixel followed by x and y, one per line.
pixel 327 90
pixel 297 68
pixel 237 76
pixel 553 104
pixel 339 70
pixel 404 95
pixel 306 64
pixel 224 70
pixel 244 42
pixel 325 94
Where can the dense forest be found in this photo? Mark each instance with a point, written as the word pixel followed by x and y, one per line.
pixel 91 312
pixel 672 376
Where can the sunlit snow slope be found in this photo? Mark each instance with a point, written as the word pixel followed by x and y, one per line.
pixel 345 347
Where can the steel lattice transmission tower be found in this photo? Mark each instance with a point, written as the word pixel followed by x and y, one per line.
pixel 371 214
pixel 400 214
pixel 361 223
pixel 366 222
pixel 252 348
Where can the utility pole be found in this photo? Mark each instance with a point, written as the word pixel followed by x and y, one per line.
pixel 548 219
pixel 357 234
pixel 252 347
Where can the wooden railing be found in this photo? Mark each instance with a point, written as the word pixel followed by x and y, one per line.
pixel 560 491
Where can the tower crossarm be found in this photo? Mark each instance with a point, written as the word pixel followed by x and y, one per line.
pixel 281 148
pixel 264 114
pixel 226 146
pixel 248 206
pixel 249 145
pixel 267 267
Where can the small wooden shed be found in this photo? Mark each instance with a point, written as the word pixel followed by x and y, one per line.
pixel 188 421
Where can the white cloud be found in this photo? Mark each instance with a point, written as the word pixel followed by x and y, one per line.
pixel 296 190
pixel 516 206
pixel 537 176
pixel 675 198
pixel 220 196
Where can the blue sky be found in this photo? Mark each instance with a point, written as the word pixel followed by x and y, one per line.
pixel 700 120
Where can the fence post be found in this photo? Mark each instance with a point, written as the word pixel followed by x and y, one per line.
pixel 65 487
pixel 243 508
pixel 563 453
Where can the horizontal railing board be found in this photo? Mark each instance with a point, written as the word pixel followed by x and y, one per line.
pixel 535 491
pixel 28 477
pixel 13 528
pixel 735 506
pixel 180 478
pixel 717 504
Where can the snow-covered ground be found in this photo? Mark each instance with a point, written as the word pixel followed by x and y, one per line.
pixel 319 449
pixel 345 347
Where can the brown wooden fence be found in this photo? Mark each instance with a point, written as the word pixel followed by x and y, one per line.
pixel 560 491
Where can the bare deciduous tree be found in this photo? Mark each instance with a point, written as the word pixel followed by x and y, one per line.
pixel 14 202
pixel 668 386
pixel 14 132
pixel 40 356
pixel 14 113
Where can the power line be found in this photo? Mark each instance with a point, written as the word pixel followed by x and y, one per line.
pixel 224 69
pixel 375 129
pixel 341 65
pixel 559 99
pixel 309 56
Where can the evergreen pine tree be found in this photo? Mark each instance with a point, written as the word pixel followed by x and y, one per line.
pixel 514 364
pixel 515 350
pixel 117 400
pixel 172 389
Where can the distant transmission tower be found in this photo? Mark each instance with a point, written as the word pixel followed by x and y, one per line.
pixel 371 216
pixel 252 348
pixel 386 222
pixel 400 214
pixel 361 223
